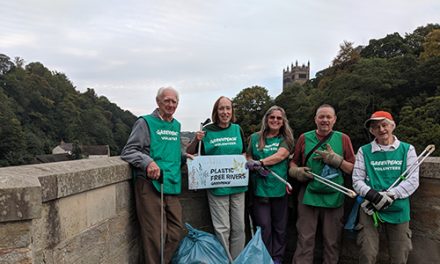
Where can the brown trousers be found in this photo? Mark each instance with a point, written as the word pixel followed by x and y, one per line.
pixel 306 225
pixel 148 212
pixel 398 236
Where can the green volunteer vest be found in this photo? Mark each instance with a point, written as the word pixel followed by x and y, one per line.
pixel 269 186
pixel 316 193
pixel 224 142
pixel 383 168
pixel 165 151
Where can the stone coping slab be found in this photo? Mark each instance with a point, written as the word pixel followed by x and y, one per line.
pixel 24 188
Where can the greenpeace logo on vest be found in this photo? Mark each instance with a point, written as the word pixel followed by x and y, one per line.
pixel 224 141
pixel 167 134
pixel 270 147
pixel 386 165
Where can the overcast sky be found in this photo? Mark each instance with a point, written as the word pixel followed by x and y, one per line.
pixel 127 49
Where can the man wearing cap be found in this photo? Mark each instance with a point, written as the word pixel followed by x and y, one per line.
pixel 378 164
pixel 318 151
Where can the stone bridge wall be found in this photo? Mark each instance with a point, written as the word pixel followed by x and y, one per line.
pixel 83 212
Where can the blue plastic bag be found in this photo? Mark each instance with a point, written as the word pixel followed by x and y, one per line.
pixel 329 172
pixel 200 247
pixel 255 252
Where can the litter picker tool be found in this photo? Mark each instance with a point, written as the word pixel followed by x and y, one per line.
pixel 207 121
pixel 420 159
pixel 334 185
pixel 162 242
pixel 278 177
pixel 350 225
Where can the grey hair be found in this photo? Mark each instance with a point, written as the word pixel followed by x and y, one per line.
pixel 391 122
pixel 161 91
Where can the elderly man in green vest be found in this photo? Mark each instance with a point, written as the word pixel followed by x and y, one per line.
pixel 330 154
pixel 378 164
pixel 154 147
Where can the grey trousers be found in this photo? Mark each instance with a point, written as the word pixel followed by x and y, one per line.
pixel 227 214
pixel 398 236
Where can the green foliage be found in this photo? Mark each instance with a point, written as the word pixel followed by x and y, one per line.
pixel 298 106
pixel 421 125
pixel 393 45
pixel 250 105
pixel 397 74
pixel 431 46
pixel 39 108
pixel 346 55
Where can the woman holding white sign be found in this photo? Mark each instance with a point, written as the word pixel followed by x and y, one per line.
pixel 268 154
pixel 226 204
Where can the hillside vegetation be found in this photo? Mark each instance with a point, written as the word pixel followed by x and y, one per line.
pixel 400 74
pixel 39 108
pixel 394 73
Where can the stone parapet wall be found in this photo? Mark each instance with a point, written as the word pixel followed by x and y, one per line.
pixel 83 212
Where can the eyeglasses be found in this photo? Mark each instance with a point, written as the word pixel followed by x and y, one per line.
pixel 383 125
pixel 275 117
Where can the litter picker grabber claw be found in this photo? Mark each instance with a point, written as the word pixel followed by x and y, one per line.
pixel 278 177
pixel 207 121
pixel 420 159
pixel 334 185
pixel 351 221
pixel 162 242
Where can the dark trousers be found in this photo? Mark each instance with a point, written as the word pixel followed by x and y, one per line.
pixel 271 215
pixel 306 225
pixel 148 212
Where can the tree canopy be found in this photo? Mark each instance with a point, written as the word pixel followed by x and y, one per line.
pixel 395 73
pixel 400 74
pixel 39 108
pixel 250 105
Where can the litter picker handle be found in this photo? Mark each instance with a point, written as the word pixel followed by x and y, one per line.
pixel 207 121
pixel 278 177
pixel 160 179
pixel 420 159
pixel 334 185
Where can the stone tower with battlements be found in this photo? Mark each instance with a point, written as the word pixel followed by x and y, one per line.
pixel 296 74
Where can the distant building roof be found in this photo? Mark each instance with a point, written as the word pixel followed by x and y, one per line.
pixel 88 150
pixel 95 150
pixel 66 146
pixel 46 158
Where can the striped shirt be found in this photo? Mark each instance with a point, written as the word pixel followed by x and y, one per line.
pixel 403 189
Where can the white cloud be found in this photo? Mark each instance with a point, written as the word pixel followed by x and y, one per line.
pixel 125 50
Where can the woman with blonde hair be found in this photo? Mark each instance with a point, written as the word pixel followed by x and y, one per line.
pixel 270 147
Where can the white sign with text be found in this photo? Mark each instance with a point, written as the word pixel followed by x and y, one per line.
pixel 217 171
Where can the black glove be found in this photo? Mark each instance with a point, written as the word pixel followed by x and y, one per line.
pixel 380 200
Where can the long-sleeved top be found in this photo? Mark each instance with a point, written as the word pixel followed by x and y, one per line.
pixel 403 189
pixel 137 150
